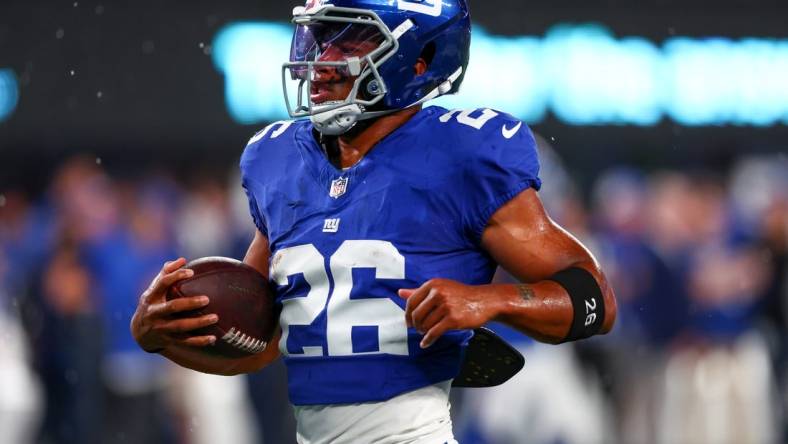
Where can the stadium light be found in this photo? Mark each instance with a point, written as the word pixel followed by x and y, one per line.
pixel 9 93
pixel 581 73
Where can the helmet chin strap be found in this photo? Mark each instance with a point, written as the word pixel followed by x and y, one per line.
pixel 335 122
pixel 338 121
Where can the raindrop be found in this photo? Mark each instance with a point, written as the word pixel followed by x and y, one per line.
pixel 99 94
pixel 98 160
pixel 72 72
pixel 60 33
pixel 552 138
pixel 75 4
pixel 207 50
pixel 201 45
pixel 2 200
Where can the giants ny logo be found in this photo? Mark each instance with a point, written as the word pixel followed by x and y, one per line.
pixel 331 226
pixel 429 7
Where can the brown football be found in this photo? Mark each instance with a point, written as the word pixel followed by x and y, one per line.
pixel 242 299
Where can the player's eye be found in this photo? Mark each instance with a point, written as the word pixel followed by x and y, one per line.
pixel 348 49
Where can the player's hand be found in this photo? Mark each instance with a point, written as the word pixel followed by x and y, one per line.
pixel 441 305
pixel 155 326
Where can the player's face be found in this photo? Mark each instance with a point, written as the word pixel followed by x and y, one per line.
pixel 332 42
pixel 335 83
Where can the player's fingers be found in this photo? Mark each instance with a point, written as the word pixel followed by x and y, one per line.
pixel 432 319
pixel 405 293
pixel 435 332
pixel 197 341
pixel 184 304
pixel 171 266
pixel 414 300
pixel 421 311
pixel 165 281
pixel 188 324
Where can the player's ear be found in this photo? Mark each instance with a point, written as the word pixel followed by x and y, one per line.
pixel 425 58
pixel 420 67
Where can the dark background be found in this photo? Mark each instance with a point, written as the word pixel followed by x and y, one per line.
pixel 161 99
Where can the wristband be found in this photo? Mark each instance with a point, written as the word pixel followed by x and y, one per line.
pixel 587 302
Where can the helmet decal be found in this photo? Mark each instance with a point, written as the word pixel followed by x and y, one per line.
pixel 312 4
pixel 434 10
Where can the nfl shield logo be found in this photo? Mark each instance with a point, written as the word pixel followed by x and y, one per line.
pixel 338 187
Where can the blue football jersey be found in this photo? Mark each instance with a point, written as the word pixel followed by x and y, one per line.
pixel 344 241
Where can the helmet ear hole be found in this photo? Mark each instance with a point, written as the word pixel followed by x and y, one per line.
pixel 428 53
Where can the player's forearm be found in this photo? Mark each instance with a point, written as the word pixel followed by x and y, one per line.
pixel 544 310
pixel 541 310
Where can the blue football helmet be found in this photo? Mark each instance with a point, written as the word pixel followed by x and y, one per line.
pixel 377 42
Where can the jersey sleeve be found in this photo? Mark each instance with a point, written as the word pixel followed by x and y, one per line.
pixel 263 161
pixel 503 164
pixel 257 218
pixel 251 187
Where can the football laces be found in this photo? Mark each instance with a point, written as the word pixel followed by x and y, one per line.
pixel 244 342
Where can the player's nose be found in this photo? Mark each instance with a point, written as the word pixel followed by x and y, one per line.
pixel 327 74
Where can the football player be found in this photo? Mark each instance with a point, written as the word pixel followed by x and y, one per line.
pixel 381 223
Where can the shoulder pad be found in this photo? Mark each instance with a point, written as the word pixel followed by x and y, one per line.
pixel 269 141
pixel 273 130
pixel 485 120
pixel 483 126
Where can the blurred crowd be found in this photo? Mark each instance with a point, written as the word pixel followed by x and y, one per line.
pixel 699 354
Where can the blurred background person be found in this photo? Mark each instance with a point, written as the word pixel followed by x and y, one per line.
pixel 650 293
pixel 719 384
pixel 21 402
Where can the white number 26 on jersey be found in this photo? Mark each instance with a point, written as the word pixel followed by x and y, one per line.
pixel 342 313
